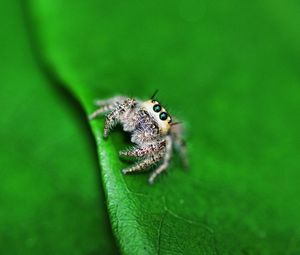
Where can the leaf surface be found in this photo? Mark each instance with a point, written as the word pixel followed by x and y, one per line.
pixel 229 70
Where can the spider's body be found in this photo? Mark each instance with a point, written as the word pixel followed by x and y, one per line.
pixel 151 128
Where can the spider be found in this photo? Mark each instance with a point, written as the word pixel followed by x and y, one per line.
pixel 152 131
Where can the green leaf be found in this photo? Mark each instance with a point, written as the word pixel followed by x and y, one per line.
pixel 48 178
pixel 230 71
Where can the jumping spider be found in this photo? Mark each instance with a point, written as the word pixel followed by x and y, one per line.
pixel 152 131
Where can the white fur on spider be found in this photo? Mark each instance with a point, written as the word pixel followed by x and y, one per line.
pixel 153 132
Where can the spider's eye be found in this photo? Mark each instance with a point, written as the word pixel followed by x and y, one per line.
pixel 163 116
pixel 157 108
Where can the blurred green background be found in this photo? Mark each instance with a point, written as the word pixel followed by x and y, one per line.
pixel 50 193
pixel 229 70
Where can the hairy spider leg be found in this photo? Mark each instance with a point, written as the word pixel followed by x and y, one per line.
pixel 166 161
pixel 137 151
pixel 180 144
pixel 106 106
pixel 104 109
pixel 114 116
pixel 144 164
pixel 110 101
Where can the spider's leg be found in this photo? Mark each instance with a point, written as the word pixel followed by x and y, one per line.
pixel 165 163
pixel 144 164
pixel 104 109
pixel 183 153
pixel 114 116
pixel 143 151
pixel 110 101
pixel 180 144
pixel 106 105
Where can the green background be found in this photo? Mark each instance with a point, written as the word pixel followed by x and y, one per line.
pixel 229 70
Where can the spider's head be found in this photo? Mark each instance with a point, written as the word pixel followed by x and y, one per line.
pixel 161 116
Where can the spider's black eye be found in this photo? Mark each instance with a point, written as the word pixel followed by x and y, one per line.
pixel 163 116
pixel 157 108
